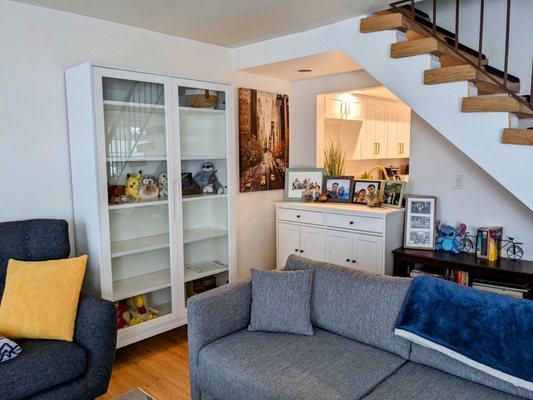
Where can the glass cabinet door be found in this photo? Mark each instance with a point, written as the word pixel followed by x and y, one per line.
pixel 204 170
pixel 136 149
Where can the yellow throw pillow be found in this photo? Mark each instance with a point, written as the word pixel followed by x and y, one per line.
pixel 40 299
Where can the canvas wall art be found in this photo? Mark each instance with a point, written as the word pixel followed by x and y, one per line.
pixel 263 140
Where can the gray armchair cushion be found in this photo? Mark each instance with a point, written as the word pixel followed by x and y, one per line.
pixel 356 304
pixel 418 382
pixel 42 363
pixel 280 366
pixel 281 301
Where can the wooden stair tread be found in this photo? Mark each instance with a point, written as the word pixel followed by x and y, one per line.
pixel 495 104
pixel 383 23
pixel 518 136
pixel 467 73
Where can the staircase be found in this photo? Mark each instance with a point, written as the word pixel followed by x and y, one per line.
pixel 491 90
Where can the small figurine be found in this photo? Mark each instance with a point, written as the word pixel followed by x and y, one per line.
pixel 207 179
pixel 162 183
pixel 116 194
pixel 148 190
pixel 374 199
pixel 139 309
pixel 132 185
pixel 323 198
pixel 448 238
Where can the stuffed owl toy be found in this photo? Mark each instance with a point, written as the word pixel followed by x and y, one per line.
pixel 207 179
pixel 148 189
pixel 162 183
pixel 448 238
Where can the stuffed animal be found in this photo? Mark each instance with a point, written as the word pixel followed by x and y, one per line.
pixel 116 194
pixel 149 189
pixel 448 238
pixel 132 185
pixel 123 314
pixel 162 183
pixel 207 179
pixel 139 309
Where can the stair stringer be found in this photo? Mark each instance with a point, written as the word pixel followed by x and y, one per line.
pixel 477 135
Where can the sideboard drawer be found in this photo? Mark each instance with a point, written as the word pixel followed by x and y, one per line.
pixel 346 221
pixel 306 217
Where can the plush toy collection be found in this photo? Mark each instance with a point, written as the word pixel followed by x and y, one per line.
pixel 133 311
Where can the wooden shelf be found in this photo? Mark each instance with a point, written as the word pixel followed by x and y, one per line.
pixel 202 110
pixel 120 105
pixel 204 268
pixel 202 157
pixel 199 234
pixel 136 159
pixel 139 245
pixel 164 309
pixel 138 204
pixel 199 197
pixel 141 284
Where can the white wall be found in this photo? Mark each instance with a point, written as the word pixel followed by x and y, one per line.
pixel 482 202
pixel 38 44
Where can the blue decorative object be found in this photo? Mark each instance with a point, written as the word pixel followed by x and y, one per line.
pixel 489 332
pixel 8 349
pixel 448 238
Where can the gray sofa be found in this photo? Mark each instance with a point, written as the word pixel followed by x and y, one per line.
pixel 353 354
pixel 54 369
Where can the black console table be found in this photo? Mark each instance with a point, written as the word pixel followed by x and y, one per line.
pixel 503 270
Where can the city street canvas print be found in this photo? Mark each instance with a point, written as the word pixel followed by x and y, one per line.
pixel 263 140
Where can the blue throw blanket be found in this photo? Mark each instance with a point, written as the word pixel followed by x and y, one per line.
pixel 490 332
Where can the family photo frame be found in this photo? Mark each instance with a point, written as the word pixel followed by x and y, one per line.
pixel 338 188
pixel 364 187
pixel 420 212
pixel 297 180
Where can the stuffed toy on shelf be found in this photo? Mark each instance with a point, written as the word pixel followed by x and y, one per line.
pixel 140 310
pixel 132 185
pixel 123 314
pixel 449 238
pixel 207 179
pixel 148 190
pixel 162 184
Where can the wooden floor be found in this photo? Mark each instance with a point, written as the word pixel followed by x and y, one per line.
pixel 158 365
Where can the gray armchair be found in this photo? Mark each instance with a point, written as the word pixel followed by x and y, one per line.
pixel 53 369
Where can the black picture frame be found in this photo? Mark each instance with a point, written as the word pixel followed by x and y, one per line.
pixel 341 182
pixel 357 183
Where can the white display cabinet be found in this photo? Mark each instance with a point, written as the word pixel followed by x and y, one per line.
pixel 164 247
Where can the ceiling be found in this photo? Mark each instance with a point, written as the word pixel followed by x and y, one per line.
pixel 380 91
pixel 332 62
pixel 229 23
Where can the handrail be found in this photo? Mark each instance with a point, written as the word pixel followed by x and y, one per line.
pixel 410 13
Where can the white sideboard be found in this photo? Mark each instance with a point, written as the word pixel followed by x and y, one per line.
pixel 346 234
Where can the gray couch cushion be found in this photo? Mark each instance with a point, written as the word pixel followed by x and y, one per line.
pixel 435 359
pixel 356 304
pixel 279 366
pixel 418 382
pixel 42 364
pixel 281 301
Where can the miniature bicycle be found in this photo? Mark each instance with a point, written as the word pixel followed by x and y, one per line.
pixel 514 251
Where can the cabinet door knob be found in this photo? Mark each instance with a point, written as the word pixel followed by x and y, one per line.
pixel 347 260
pixel 351 222
pixel 298 216
pixel 296 250
pixel 353 261
pixel 301 251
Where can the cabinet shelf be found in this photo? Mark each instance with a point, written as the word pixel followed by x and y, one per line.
pixel 199 234
pixel 204 268
pixel 141 284
pixel 138 204
pixel 135 159
pixel 199 197
pixel 121 105
pixel 202 110
pixel 164 309
pixel 139 245
pixel 202 157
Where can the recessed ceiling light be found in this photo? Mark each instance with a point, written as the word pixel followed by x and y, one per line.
pixel 305 70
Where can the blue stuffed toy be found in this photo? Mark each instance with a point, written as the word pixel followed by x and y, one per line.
pixel 449 238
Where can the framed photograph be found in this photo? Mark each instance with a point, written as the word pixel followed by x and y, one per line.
pixel 392 193
pixel 338 188
pixel 299 179
pixel 362 187
pixel 420 222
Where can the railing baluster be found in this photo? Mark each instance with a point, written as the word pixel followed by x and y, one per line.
pixel 507 30
pixel 434 16
pixel 531 91
pixel 413 8
pixel 480 51
pixel 456 23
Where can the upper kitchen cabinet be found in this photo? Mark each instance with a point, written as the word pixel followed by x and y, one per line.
pixel 342 106
pixel 398 130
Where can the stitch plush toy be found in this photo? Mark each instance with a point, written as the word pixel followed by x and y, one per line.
pixel 449 238
pixel 207 179
pixel 132 185
pixel 162 183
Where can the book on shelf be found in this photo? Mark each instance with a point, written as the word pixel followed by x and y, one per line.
pixel 520 291
pixel 488 242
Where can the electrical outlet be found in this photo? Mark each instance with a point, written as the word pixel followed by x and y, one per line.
pixel 458 182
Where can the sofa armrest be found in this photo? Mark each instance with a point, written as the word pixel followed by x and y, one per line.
pixel 96 332
pixel 212 315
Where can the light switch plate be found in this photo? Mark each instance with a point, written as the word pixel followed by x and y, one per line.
pixel 458 182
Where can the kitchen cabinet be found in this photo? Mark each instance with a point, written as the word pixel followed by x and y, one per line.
pixel 398 130
pixel 349 235
pixel 345 106
pixel 374 129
